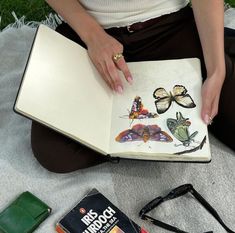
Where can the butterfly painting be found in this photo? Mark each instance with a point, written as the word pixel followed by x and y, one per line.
pixel 140 132
pixel 179 128
pixel 178 95
pixel 138 111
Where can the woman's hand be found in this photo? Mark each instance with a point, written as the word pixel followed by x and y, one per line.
pixel 209 17
pixel 101 49
pixel 211 89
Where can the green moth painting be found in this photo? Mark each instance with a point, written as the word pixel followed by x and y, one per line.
pixel 179 129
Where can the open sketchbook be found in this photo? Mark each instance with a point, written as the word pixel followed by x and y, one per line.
pixel 156 118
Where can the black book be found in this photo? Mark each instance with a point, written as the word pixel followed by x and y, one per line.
pixel 96 214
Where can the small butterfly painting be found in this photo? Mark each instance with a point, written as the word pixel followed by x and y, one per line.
pixel 141 132
pixel 138 111
pixel 178 95
pixel 179 128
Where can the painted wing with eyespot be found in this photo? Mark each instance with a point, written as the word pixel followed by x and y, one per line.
pixel 179 128
pixel 140 132
pixel 163 100
pixel 138 111
pixel 156 134
pixel 181 97
pixel 128 136
pixel 182 133
pixel 154 131
pixel 137 105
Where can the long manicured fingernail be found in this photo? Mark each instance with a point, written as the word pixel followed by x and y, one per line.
pixel 207 119
pixel 119 89
pixel 130 79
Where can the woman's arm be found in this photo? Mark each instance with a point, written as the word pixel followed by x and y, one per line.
pixel 76 16
pixel 209 16
pixel 101 46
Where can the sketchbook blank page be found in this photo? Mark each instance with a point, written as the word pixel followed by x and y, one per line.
pixel 63 90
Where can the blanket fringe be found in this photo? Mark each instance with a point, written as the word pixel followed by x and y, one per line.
pixel 226 6
pixel 52 21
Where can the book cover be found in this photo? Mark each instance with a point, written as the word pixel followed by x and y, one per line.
pixel 156 118
pixel 96 214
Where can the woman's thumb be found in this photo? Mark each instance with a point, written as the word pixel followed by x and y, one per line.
pixel 206 109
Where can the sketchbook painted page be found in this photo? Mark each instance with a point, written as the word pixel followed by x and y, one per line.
pixel 63 90
pixel 153 135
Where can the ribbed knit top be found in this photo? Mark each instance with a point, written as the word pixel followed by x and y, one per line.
pixel 117 13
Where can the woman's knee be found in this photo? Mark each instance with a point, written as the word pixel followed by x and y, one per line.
pixel 60 161
pixel 59 154
pixel 49 148
pixel 48 158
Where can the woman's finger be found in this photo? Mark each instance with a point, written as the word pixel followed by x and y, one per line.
pixel 206 109
pixel 121 64
pixel 104 76
pixel 114 76
pixel 215 106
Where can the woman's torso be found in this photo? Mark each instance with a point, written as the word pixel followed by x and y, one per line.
pixel 118 13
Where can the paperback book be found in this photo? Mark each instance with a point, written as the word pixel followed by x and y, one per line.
pixel 96 214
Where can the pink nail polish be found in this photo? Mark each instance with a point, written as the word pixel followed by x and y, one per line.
pixel 130 79
pixel 207 119
pixel 119 89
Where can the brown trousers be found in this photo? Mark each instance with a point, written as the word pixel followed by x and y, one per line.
pixel 172 37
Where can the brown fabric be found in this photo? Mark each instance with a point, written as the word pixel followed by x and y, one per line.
pixel 60 154
pixel 172 37
pixel 141 25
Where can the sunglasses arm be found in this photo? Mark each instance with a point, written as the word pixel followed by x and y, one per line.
pixel 210 209
pixel 177 192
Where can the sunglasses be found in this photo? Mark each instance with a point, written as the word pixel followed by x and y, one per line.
pixel 178 192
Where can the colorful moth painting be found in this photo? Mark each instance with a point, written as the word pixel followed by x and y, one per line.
pixel 138 111
pixel 179 128
pixel 179 95
pixel 141 132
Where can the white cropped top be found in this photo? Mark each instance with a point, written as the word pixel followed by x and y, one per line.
pixel 118 13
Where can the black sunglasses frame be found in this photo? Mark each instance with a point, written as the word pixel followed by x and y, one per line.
pixel 175 193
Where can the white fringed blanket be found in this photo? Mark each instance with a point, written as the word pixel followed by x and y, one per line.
pixel 129 184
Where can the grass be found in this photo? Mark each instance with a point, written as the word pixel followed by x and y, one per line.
pixel 34 10
pixel 231 2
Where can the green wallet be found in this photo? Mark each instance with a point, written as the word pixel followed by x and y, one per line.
pixel 24 214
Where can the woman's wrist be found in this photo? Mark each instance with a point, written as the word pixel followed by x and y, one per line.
pixel 215 62
pixel 92 35
pixel 86 27
pixel 217 72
